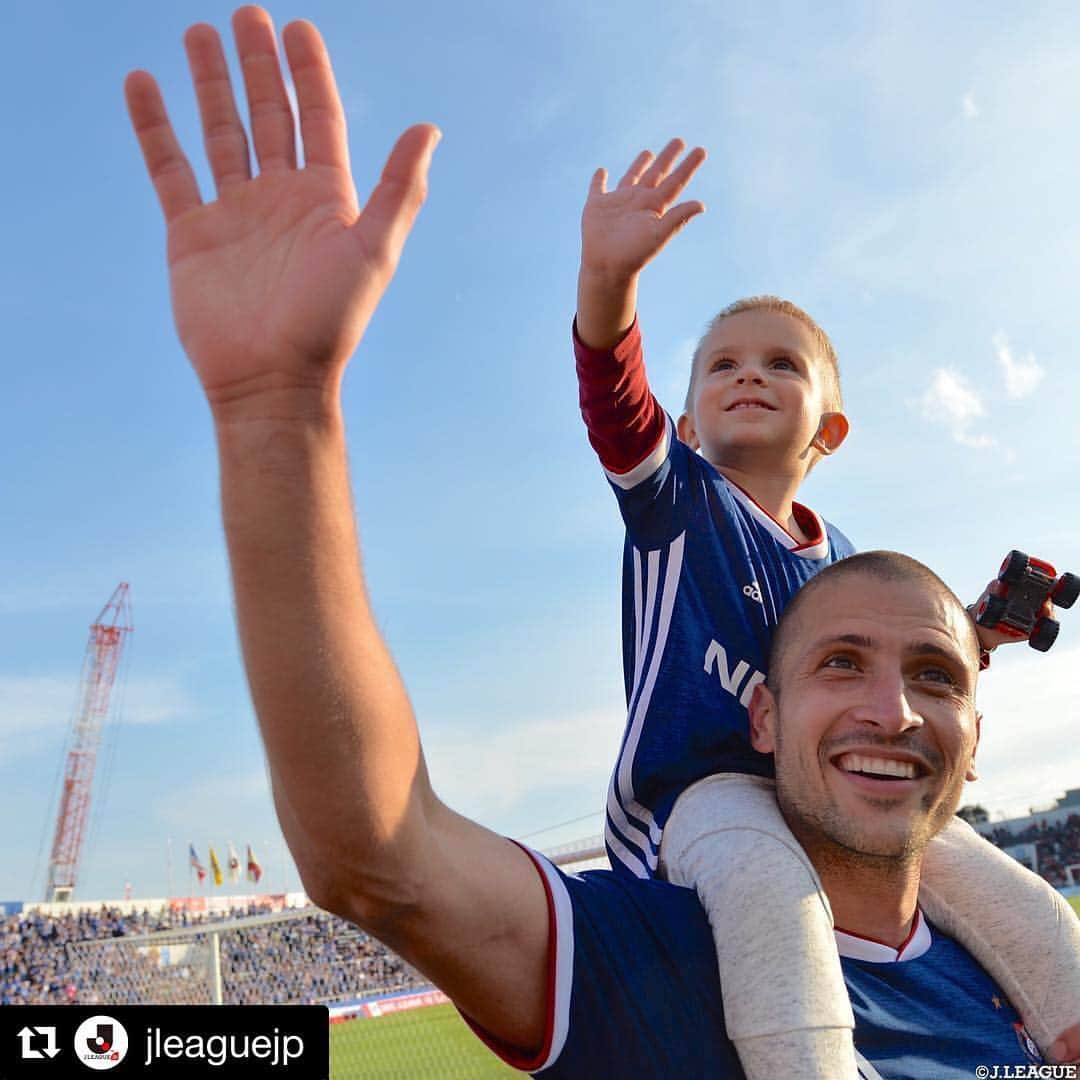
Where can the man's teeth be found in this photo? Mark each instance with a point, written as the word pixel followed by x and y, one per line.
pixel 861 763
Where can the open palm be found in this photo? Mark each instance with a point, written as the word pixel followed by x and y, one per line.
pixel 274 282
pixel 622 229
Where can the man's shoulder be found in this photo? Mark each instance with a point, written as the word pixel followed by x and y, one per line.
pixel 596 894
pixel 937 1006
pixel 642 988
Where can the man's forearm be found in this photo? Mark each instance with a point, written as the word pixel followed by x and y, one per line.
pixel 336 721
pixel 372 841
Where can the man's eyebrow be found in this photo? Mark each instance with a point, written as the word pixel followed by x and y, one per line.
pixel 930 648
pixel 860 641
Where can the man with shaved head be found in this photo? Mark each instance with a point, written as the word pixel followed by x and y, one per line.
pixel 869 709
pixel 886 750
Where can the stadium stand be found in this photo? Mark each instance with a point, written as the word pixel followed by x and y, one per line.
pixel 312 959
pixel 315 958
pixel 1056 847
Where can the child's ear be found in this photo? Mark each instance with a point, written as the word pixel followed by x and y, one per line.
pixel 832 431
pixel 687 433
pixel 763 711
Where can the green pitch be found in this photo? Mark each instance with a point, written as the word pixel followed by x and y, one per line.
pixel 422 1044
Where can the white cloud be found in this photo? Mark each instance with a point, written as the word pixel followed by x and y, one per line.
pixel 967 103
pixel 152 701
pixel 952 402
pixel 1022 377
pixel 37 711
pixel 1029 753
pixel 32 711
pixel 212 805
pixel 483 775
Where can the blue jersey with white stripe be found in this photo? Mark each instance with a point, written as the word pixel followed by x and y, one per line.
pixel 634 991
pixel 706 575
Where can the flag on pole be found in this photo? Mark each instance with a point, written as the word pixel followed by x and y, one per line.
pixel 215 866
pixel 193 862
pixel 234 864
pixel 254 870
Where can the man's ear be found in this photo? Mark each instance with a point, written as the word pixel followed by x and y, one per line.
pixel 763 715
pixel 971 773
pixel 832 431
pixel 687 432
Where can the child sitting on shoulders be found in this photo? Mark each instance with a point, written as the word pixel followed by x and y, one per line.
pixel 716 547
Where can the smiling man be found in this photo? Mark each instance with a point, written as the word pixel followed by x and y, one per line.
pixel 870 708
pixel 870 712
pixel 877 729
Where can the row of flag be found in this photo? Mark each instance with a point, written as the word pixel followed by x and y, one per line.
pixel 254 868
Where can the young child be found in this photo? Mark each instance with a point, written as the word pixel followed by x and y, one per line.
pixel 716 546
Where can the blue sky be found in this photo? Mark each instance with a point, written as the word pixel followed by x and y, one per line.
pixel 904 171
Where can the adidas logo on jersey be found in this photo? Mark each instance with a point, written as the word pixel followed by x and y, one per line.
pixel 753 591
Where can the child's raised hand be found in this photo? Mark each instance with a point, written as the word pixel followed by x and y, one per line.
pixel 622 229
pixel 990 638
pixel 274 281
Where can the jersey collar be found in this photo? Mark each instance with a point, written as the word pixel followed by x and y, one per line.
pixel 857 947
pixel 817 547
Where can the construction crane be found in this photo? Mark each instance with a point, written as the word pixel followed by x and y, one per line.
pixel 103 652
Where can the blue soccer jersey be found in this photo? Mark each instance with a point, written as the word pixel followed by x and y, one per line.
pixel 634 991
pixel 706 575
pixel 928 998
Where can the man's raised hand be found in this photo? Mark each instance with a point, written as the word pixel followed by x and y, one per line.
pixel 623 229
pixel 274 282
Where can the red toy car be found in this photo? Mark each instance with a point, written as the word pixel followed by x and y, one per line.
pixel 1012 603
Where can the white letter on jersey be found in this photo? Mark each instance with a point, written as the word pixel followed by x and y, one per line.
pixel 730 680
pixel 715 656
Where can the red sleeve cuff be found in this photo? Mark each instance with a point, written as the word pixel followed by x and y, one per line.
pixel 624 421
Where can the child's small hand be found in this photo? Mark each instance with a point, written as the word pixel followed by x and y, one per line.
pixel 989 638
pixel 621 230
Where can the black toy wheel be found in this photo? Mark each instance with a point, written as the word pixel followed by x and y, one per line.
pixel 990 611
pixel 1066 591
pixel 1043 634
pixel 1013 568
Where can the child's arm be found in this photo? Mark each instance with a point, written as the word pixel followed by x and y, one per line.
pixel 622 230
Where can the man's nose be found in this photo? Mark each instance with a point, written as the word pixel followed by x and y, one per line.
pixel 887 706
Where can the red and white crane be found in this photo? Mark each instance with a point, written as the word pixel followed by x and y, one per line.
pixel 108 633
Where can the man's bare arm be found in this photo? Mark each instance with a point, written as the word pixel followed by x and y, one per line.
pixel 273 284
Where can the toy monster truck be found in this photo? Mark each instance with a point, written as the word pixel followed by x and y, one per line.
pixel 1013 603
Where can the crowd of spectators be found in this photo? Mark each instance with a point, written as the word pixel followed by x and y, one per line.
pixel 311 958
pixel 1057 846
